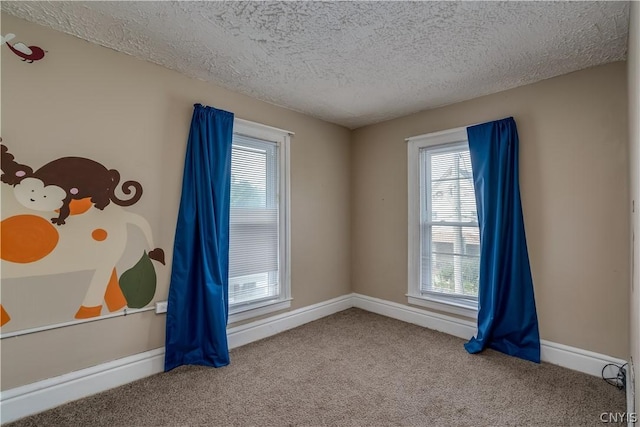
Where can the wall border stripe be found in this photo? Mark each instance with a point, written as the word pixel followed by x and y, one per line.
pixel 32 398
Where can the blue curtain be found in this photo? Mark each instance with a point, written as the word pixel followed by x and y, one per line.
pixel 198 295
pixel 507 319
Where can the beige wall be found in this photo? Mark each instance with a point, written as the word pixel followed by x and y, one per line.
pixel 574 185
pixel 349 201
pixel 89 101
pixel 634 140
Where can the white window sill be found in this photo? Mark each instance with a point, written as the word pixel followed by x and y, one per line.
pixel 443 304
pixel 251 311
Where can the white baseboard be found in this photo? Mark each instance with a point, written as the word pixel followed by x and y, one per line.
pixel 576 358
pixel 33 398
pixel 439 322
pixel 558 354
pixel 254 331
pixel 36 397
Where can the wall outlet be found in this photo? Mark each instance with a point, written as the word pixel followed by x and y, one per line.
pixel 161 307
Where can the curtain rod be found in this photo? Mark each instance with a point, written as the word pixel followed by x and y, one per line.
pixel 267 127
pixel 446 131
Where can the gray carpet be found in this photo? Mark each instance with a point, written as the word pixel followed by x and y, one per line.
pixel 353 368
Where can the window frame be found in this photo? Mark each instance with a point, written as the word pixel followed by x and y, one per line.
pixel 441 302
pixel 282 138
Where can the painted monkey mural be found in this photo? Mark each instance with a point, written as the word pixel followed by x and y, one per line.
pixel 65 217
pixel 64 180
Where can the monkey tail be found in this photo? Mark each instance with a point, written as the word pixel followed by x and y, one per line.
pixel 126 189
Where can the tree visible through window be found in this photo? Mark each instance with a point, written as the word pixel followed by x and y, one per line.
pixel 450 242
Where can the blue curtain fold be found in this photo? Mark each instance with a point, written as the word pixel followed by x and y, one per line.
pixel 507 319
pixel 196 330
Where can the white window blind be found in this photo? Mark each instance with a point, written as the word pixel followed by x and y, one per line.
pixel 254 274
pixel 450 241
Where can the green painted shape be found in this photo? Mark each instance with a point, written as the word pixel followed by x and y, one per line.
pixel 138 284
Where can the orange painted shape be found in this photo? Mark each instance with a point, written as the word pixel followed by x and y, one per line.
pixel 4 316
pixel 88 312
pixel 113 297
pixel 80 206
pixel 99 234
pixel 27 238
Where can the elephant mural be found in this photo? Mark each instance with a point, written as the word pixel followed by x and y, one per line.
pixel 65 217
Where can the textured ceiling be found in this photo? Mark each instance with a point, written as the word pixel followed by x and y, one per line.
pixel 352 63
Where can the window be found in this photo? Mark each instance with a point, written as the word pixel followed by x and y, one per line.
pixel 259 221
pixel 444 239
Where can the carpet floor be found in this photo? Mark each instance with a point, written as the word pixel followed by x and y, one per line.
pixel 353 368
